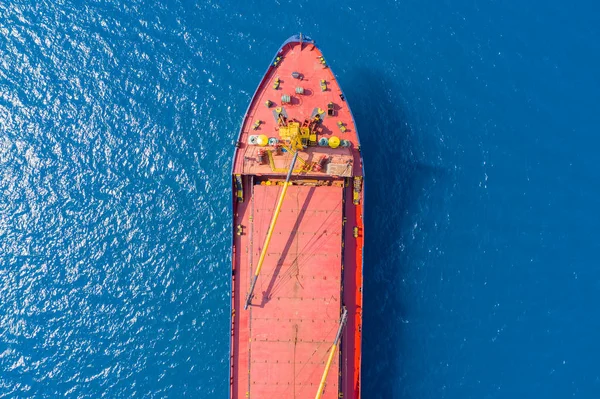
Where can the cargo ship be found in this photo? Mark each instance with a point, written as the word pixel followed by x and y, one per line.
pixel 297 253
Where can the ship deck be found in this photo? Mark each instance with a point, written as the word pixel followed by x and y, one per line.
pixel 287 332
pixel 303 59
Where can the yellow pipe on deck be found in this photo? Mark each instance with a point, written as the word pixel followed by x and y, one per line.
pixel 324 377
pixel 332 353
pixel 263 252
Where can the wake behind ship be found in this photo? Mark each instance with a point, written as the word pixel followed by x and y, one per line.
pixel 297 251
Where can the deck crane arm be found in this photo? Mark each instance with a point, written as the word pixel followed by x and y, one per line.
pixel 263 252
pixel 338 336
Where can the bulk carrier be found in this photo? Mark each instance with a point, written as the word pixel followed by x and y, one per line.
pixel 298 189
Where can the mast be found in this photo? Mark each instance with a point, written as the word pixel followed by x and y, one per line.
pixel 270 231
pixel 332 353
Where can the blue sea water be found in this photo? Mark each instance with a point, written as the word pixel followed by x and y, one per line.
pixel 479 126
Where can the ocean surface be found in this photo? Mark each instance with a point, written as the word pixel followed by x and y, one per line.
pixel 479 122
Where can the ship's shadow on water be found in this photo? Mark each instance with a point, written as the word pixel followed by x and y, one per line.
pixel 395 180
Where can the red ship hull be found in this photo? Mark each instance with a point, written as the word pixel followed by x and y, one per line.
pixel 313 264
